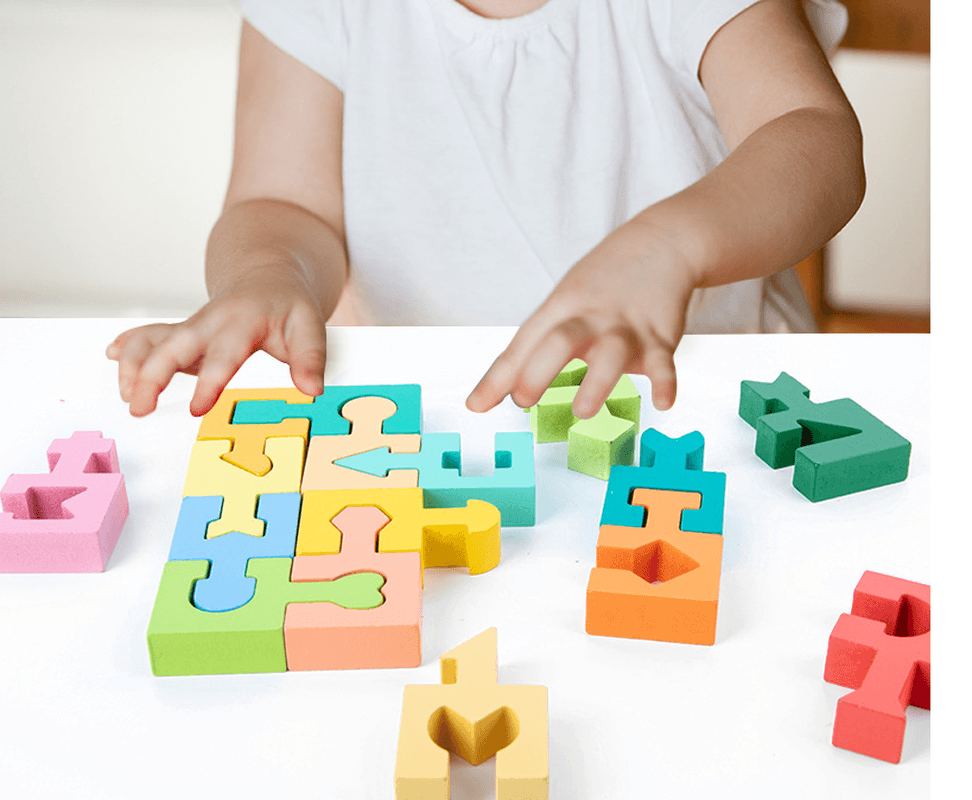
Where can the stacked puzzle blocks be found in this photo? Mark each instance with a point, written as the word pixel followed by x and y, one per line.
pixel 306 524
pixel 659 552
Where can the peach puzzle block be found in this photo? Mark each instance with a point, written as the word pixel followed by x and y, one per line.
pixel 68 520
pixel 366 415
pixel 467 536
pixel 209 474
pixel 882 650
pixel 326 636
pixel 248 441
pixel 656 582
pixel 471 715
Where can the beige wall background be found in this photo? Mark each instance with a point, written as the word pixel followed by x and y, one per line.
pixel 115 146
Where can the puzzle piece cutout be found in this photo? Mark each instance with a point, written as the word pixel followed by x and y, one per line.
pixel 836 448
pixel 324 636
pixel 68 520
pixel 671 465
pixel 471 715
pixel 248 442
pixel 657 581
pixel 184 640
pixel 366 416
pixel 444 537
pixel 511 487
pixel 882 650
pixel 593 445
pixel 226 587
pixel 326 411
pixel 209 474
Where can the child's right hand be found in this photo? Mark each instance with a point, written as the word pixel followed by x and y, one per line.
pixel 270 309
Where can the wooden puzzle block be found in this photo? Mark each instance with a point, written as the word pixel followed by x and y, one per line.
pixel 326 412
pixel 68 520
pixel 366 416
pixel 882 650
pixel 470 715
pixel 671 465
pixel 595 445
pixel 184 640
pixel 444 537
pixel 658 581
pixel 836 448
pixel 209 475
pixel 226 587
pixel 324 636
pixel 247 442
pixel 511 487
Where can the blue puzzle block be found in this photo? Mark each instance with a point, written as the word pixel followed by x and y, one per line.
pixel 227 586
pixel 325 412
pixel 511 487
pixel 668 465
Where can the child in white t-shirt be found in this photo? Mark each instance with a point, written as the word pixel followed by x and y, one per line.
pixel 607 174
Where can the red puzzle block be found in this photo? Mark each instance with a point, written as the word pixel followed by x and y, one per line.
pixel 326 636
pixel 882 650
pixel 70 519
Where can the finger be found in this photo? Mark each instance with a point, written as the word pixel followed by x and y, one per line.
pixel 135 347
pixel 307 348
pixel 659 365
pixel 606 362
pixel 180 352
pixel 225 354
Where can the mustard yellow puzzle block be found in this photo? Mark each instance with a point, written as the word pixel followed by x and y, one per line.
pixel 467 536
pixel 470 715
pixel 209 474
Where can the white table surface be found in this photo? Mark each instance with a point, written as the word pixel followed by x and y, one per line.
pixel 81 714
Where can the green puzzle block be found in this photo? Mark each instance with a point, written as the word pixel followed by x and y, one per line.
pixel 183 640
pixel 595 445
pixel 836 448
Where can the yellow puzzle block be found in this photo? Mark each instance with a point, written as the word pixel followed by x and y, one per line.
pixel 445 537
pixel 209 474
pixel 470 715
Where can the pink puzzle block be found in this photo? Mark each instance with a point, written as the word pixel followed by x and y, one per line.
pixel 326 636
pixel 70 519
pixel 882 650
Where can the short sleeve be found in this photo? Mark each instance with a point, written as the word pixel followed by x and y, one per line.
pixel 312 31
pixel 686 27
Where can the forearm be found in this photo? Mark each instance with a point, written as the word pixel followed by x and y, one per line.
pixel 256 236
pixel 779 196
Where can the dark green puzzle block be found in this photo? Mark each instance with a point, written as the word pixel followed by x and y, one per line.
pixel 183 640
pixel 836 448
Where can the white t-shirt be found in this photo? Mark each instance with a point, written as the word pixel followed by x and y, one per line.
pixel 483 157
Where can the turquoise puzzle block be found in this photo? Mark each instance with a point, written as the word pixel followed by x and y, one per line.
pixel 670 465
pixel 325 412
pixel 836 448
pixel 511 487
pixel 227 587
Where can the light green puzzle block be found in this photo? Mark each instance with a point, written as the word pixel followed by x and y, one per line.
pixel 595 445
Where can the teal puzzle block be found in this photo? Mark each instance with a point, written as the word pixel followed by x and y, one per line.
pixel 184 640
pixel 227 587
pixel 836 448
pixel 511 487
pixel 670 465
pixel 324 412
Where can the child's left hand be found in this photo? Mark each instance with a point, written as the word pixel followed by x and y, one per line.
pixel 621 308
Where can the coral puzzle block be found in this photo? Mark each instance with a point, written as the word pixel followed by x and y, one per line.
pixel 227 587
pixel 836 448
pixel 325 636
pixel 593 445
pixel 882 650
pixel 326 411
pixel 470 715
pixel 658 581
pixel 671 465
pixel 184 640
pixel 68 520
pixel 511 487
pixel 443 537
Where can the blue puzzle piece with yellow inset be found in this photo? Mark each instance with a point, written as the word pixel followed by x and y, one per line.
pixel 670 465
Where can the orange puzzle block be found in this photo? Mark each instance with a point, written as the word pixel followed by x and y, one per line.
pixel 327 636
pixel 656 582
